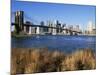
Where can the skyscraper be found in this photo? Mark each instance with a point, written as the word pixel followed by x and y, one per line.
pixel 90 27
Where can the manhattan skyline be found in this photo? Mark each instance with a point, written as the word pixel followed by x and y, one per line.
pixel 70 14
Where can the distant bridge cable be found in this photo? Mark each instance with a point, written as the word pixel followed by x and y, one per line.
pixel 32 20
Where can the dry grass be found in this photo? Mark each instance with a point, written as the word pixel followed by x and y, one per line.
pixel 27 60
pixel 79 60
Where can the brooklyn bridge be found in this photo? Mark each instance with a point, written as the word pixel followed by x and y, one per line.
pixel 28 26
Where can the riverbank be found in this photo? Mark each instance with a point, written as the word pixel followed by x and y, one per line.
pixel 33 60
pixel 29 35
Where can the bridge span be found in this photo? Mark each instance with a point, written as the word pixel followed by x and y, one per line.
pixel 30 28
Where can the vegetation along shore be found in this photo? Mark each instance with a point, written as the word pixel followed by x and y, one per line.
pixel 33 60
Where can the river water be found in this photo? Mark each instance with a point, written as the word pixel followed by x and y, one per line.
pixel 57 42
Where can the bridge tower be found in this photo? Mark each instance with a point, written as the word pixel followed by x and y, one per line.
pixel 19 20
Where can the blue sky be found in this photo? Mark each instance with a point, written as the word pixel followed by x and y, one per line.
pixel 65 13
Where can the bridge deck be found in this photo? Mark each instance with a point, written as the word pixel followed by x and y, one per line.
pixel 46 27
